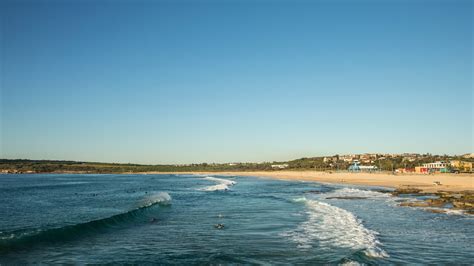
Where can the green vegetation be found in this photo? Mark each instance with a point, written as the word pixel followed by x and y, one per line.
pixel 383 162
pixel 47 166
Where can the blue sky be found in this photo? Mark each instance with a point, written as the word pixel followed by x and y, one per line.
pixel 219 81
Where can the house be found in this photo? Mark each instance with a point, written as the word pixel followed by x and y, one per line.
pixel 280 166
pixel 462 165
pixel 404 170
pixel 439 166
pixel 330 159
pixel 348 158
pixel 327 159
pixel 368 168
pixel 421 170
pixel 409 158
pixel 356 167
pixel 368 158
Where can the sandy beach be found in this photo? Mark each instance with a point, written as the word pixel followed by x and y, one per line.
pixel 449 182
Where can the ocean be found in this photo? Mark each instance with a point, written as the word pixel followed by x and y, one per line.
pixel 199 219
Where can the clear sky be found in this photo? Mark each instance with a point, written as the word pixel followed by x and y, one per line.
pixel 219 81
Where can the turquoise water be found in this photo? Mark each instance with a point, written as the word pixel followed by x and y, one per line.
pixel 171 219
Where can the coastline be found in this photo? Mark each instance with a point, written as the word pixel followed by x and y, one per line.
pixel 448 182
pixel 424 182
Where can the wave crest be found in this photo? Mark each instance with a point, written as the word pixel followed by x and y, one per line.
pixel 354 192
pixel 158 198
pixel 20 239
pixel 222 184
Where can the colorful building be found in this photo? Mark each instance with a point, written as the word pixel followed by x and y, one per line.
pixel 439 166
pixel 421 170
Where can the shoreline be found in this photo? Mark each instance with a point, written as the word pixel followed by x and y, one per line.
pixel 424 182
pixel 448 182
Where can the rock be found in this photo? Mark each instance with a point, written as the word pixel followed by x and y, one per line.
pixel 415 204
pixel 470 211
pixel 407 190
pixel 436 202
pixel 383 191
pixel 463 200
pixel 437 210
pixel 313 191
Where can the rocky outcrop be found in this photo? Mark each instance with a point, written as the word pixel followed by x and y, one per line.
pixel 415 204
pixel 463 200
pixel 406 190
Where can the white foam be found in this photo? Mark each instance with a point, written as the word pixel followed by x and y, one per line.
pixel 222 184
pixel 330 227
pixel 455 212
pixel 158 198
pixel 354 192
pixel 444 210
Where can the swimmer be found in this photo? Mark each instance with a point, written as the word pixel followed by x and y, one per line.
pixel 219 226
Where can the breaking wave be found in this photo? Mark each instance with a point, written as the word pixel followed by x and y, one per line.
pixel 354 192
pixel 19 239
pixel 162 198
pixel 222 184
pixel 330 227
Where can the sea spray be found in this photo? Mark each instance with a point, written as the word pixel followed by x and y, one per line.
pixel 222 184
pixel 162 198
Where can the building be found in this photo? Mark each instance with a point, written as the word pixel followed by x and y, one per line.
pixel 468 155
pixel 439 166
pixel 409 158
pixel 368 158
pixel 405 170
pixel 348 158
pixel 368 168
pixel 280 166
pixel 421 170
pixel 462 165
pixel 332 159
pixel 356 167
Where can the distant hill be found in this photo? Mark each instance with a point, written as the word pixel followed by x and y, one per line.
pixel 332 163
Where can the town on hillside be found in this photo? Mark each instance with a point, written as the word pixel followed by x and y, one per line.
pixel 398 163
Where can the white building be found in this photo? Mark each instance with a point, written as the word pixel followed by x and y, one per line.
pixel 367 167
pixel 347 158
pixel 280 166
pixel 436 165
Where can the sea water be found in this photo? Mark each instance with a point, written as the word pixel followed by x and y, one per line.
pixel 171 219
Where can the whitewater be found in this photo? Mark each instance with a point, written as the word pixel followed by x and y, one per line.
pixel 222 184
